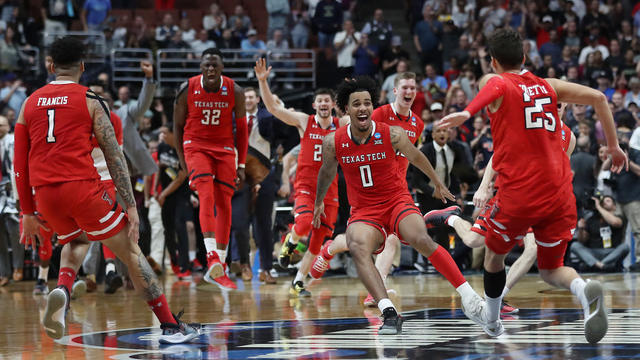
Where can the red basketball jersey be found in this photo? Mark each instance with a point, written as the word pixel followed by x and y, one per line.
pixel 210 115
pixel 566 137
pixel 534 175
pixel 371 170
pixel 412 125
pixel 60 130
pixel 310 157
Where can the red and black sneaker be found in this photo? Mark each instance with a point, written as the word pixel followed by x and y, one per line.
pixel 436 218
pixel 507 309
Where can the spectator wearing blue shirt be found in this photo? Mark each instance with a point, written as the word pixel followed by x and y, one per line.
pixel 253 43
pixel 552 47
pixel 94 13
pixel 434 83
pixel 366 57
pixel 16 94
pixel 426 36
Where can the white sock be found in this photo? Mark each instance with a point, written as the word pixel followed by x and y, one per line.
pixel 452 219
pixel 222 254
pixel 299 277
pixel 577 289
pixel 210 244
pixel 493 307
pixel 385 303
pixel 505 291
pixel 43 273
pixel 465 290
pixel 110 267
pixel 192 255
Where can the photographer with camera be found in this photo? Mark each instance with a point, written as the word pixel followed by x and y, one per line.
pixel 601 232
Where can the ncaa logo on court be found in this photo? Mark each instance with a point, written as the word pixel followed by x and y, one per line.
pixel 431 333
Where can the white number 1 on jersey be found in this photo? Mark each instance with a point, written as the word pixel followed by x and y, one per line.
pixel 51 114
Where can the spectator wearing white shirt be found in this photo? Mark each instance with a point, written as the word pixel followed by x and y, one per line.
pixel 345 43
pixel 593 46
pixel 215 18
pixel 188 32
pixel 166 31
pixel 202 43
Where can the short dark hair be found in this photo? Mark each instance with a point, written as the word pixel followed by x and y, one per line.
pixel 213 51
pixel 505 45
pixel 324 91
pixel 349 86
pixel 251 88
pixel 67 51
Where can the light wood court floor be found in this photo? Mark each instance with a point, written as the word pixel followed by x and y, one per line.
pixel 263 321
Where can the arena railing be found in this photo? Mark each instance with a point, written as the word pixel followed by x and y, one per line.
pixel 125 65
pixel 94 41
pixel 289 67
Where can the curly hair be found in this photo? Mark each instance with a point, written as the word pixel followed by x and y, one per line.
pixel 213 51
pixel 349 86
pixel 67 51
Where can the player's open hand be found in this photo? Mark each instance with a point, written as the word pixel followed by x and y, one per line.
pixel 31 231
pixel 619 159
pixel 284 191
pixel 134 224
pixel 147 68
pixel 318 213
pixel 453 120
pixel 482 195
pixel 441 192
pixel 262 72
pixel 240 176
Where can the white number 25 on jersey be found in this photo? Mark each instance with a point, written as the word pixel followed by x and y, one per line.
pixel 210 117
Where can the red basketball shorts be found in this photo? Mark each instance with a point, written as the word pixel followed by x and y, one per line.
pixel 480 225
pixel 204 163
pixel 385 216
pixel 552 231
pixel 76 206
pixel 303 209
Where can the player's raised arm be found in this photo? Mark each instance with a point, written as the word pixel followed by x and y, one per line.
pixel 579 94
pixel 242 132
pixel 401 143
pixel 275 107
pixel 492 88
pixel 327 173
pixel 106 138
pixel 180 109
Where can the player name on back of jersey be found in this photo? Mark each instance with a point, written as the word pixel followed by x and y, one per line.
pixel 364 157
pixel 58 100
pixel 211 104
pixel 533 90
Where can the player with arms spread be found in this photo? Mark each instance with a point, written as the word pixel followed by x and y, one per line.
pixel 534 179
pixel 379 198
pixel 54 132
pixel 312 129
pixel 204 113
pixel 399 114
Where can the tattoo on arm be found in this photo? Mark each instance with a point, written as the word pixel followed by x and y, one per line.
pixel 328 169
pixel 396 136
pixel 151 288
pixel 105 135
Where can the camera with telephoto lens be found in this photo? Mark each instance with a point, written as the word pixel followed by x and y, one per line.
pixel 588 203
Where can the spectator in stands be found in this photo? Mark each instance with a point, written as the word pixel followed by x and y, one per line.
pixel 94 13
pixel 592 47
pixel 278 11
pixel 176 42
pixel 426 36
pixel 552 47
pixel 238 28
pixel 239 20
pixel 278 46
pixel 228 40
pixel 124 97
pixel 166 31
pixel 633 95
pixel 57 15
pixel 327 19
pixel 615 60
pixel 202 43
pixel 618 108
pixel 492 16
pixel 583 165
pixel 378 30
pixel 601 244
pixel 392 56
pixel 14 96
pixel 386 91
pixel 627 193
pixel 571 36
pixel 450 38
pixel 9 226
pixel 366 57
pixel 433 83
pixel 345 42
pixel 120 27
pixel 462 51
pixel 462 13
pixel 11 57
pixel 603 81
pixel 137 30
pixel 595 18
pixel 255 47
pixel 603 174
pixel 188 32
pixel 300 26
pixel 215 18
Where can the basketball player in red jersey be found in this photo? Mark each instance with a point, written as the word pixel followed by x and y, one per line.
pixel 535 176
pixel 379 198
pixel 53 154
pixel 205 110
pixel 312 129
pixel 396 114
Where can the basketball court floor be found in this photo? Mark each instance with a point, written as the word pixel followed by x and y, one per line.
pixel 261 321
